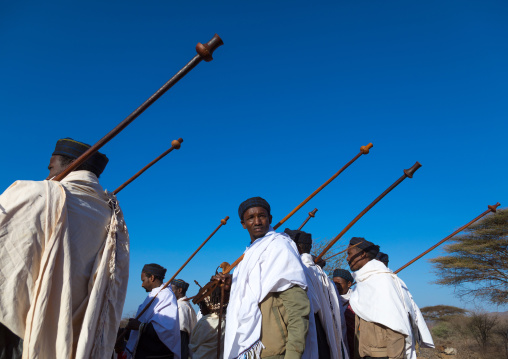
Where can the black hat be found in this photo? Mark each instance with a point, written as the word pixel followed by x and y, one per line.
pixel 154 269
pixel 179 283
pixel 382 257
pixel 366 246
pixel 73 149
pixel 299 236
pixel 252 202
pixel 343 273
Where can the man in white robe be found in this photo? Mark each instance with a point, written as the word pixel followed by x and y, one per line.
pixel 268 287
pixel 64 257
pixel 186 314
pixel 157 332
pixel 326 302
pixel 381 300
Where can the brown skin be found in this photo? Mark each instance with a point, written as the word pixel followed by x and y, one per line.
pixel 256 221
pixel 55 166
pixel 342 285
pixel 178 291
pixel 148 282
pixel 356 258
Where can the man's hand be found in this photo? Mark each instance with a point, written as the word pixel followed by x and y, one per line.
pixel 226 279
pixel 133 324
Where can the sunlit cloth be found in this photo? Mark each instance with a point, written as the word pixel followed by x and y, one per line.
pixel 64 258
pixel 329 309
pixel 186 315
pixel 381 297
pixel 271 264
pixel 163 314
pixel 204 337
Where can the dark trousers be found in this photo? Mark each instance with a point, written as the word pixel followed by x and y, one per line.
pixel 184 341
pixel 11 346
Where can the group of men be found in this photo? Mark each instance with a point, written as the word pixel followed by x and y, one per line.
pixel 64 257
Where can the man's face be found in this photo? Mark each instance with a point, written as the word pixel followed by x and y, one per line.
pixel 177 291
pixel 342 285
pixel 147 282
pixel 355 258
pixel 55 166
pixel 256 221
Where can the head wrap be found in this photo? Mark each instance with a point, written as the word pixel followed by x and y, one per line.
pixel 252 202
pixel 344 274
pixel 180 284
pixel 365 245
pixel 299 236
pixel 155 269
pixel 382 257
pixel 73 149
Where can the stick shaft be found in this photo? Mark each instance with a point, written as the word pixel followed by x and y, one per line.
pixel 140 172
pixel 360 215
pixel 491 209
pixel 115 131
pixel 311 214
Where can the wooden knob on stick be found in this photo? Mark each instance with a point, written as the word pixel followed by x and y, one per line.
pixel 493 208
pixel 365 149
pixel 176 144
pixel 206 50
pixel 224 221
pixel 410 171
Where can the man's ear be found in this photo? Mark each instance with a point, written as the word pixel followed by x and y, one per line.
pixel 243 224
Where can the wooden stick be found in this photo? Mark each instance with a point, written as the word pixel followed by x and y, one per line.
pixel 175 145
pixel 363 151
pixel 222 223
pixel 491 208
pixel 311 215
pixel 336 254
pixel 219 331
pixel 204 52
pixel 407 173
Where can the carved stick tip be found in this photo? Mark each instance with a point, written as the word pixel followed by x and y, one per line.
pixel 224 221
pixel 493 208
pixel 365 149
pixel 176 144
pixel 206 50
pixel 410 171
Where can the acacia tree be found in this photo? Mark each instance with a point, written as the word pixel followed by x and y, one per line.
pixel 339 261
pixel 476 263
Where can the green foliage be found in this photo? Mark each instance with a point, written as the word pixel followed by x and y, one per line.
pixel 441 330
pixel 477 261
pixel 441 313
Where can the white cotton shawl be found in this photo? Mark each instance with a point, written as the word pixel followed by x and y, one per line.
pixel 328 307
pixel 163 314
pixel 64 257
pixel 381 297
pixel 187 315
pixel 203 339
pixel 271 264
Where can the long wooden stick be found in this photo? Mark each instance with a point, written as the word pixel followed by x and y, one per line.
pixel 491 208
pixel 222 223
pixel 336 254
pixel 407 173
pixel 363 151
pixel 204 52
pixel 175 145
pixel 311 215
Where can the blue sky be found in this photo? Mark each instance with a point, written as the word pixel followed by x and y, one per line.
pixel 291 96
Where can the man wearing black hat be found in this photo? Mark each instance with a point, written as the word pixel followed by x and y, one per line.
pixel 343 281
pixel 156 334
pixel 186 314
pixel 388 322
pixel 64 254
pixel 267 293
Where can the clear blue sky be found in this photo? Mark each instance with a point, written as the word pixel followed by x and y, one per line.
pixel 295 91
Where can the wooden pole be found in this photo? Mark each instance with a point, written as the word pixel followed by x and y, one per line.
pixel 204 52
pixel 407 173
pixel 491 208
pixel 311 215
pixel 175 145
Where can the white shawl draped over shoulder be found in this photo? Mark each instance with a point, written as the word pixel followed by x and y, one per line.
pixel 381 297
pixel 270 264
pixel 163 314
pixel 328 307
pixel 64 258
